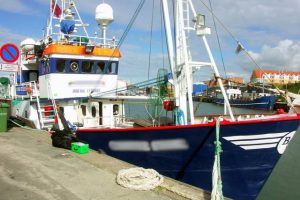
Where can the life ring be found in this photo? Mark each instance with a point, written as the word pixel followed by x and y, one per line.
pixel 28 89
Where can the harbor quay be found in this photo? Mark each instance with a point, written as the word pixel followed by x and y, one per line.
pixel 31 168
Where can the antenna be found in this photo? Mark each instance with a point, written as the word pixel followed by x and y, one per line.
pixel 104 16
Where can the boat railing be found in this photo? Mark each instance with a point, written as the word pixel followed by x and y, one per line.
pixel 25 90
pixel 79 40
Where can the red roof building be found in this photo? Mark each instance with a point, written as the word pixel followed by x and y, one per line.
pixel 275 76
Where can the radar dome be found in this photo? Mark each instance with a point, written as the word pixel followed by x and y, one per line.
pixel 104 14
pixel 27 44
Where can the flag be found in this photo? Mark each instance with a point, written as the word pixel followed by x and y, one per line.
pixel 239 48
pixel 55 9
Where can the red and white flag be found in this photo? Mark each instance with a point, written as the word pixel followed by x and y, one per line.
pixel 55 9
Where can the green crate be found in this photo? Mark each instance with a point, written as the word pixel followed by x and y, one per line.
pixel 79 147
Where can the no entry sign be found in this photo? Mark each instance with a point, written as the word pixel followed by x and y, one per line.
pixel 9 53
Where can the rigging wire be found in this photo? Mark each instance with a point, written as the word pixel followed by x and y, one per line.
pixel 217 34
pixel 124 35
pixel 143 84
pixel 150 41
pixel 137 11
pixel 240 47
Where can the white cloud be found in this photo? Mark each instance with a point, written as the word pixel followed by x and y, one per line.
pixel 284 56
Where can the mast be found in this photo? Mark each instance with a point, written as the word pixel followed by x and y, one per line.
pixel 170 47
pixel 63 10
pixel 184 64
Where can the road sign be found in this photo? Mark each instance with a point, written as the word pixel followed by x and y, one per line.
pixel 9 53
pixel 9 67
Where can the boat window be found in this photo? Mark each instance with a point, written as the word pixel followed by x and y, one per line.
pixel 47 70
pixel 87 66
pixel 60 66
pixel 112 69
pixel 83 110
pixel 33 76
pixel 45 66
pixel 74 66
pixel 100 67
pixel 93 111
pixel 115 109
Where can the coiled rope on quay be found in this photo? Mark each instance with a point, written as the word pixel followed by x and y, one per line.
pixel 139 178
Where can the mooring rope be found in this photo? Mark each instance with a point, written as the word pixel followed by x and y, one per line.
pixel 217 193
pixel 139 178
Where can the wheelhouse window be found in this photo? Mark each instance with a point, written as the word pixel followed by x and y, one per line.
pixel 47 66
pixel 60 66
pixel 74 66
pixel 112 68
pixel 87 66
pixel 100 67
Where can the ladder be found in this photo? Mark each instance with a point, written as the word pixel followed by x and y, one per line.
pixel 46 112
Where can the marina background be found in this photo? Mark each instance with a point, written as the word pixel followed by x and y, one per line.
pixel 269 27
pixel 136 109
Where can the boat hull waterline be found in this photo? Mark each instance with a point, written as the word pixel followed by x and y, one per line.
pixel 251 149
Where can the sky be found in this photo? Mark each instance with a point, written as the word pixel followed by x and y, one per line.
pixel 268 29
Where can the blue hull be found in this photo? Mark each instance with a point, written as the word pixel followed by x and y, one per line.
pixel 186 153
pixel 262 103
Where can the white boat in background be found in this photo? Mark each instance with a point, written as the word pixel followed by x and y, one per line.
pixel 71 72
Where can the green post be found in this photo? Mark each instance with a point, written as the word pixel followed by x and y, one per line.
pixel 3 116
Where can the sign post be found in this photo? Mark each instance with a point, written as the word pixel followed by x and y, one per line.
pixel 9 53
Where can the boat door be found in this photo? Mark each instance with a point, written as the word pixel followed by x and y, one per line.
pixel 90 114
pixel 100 113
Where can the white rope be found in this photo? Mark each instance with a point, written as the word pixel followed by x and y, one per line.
pixel 139 178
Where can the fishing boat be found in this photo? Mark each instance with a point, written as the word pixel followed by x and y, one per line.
pixel 184 151
pixel 65 67
pixel 247 99
pixel 76 75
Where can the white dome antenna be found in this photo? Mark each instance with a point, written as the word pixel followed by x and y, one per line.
pixel 104 16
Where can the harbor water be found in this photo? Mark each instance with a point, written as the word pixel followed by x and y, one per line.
pixel 137 109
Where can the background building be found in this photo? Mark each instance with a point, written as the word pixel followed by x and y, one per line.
pixel 274 77
pixel 229 81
